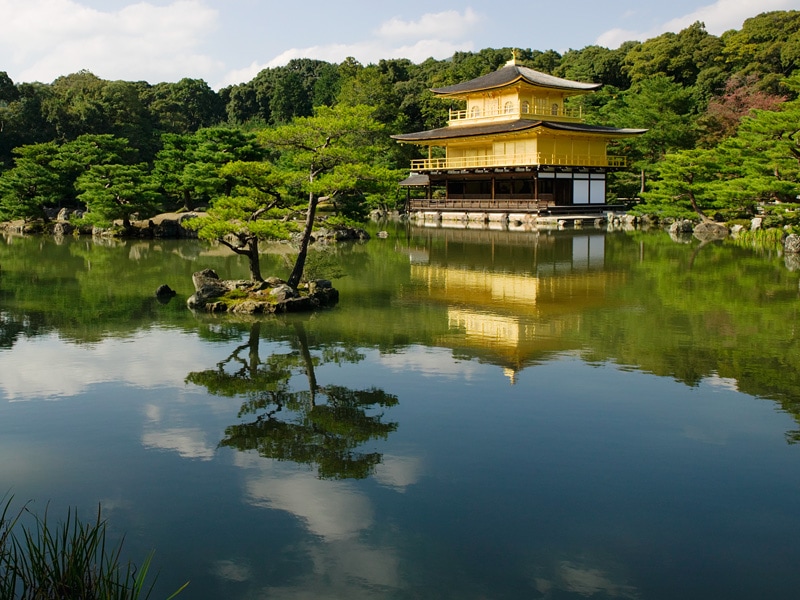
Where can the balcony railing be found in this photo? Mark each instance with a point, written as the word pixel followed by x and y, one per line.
pixel 515 111
pixel 516 160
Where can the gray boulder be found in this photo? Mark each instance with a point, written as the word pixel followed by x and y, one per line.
pixel 282 293
pixel 63 228
pixel 791 245
pixel 792 261
pixel 681 226
pixel 208 286
pixel 710 230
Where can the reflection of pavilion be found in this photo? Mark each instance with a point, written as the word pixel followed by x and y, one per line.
pixel 514 305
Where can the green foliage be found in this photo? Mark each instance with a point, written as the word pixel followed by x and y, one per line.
pixel 277 95
pixel 75 106
pixel 661 106
pixel 686 88
pixel 767 149
pixel 759 163
pixel 331 152
pixel 32 184
pixel 689 178
pixel 768 45
pixel 66 560
pixel 781 216
pixel 185 106
pixel 242 217
pixel 289 98
pixel 323 263
pixel 189 166
pixel 664 210
pixel 337 153
pixel 317 425
pixel 257 208
pixel 214 148
pixel 680 57
pixel 22 119
pixel 595 64
pixel 118 191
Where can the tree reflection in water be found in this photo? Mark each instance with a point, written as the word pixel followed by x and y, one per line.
pixel 322 426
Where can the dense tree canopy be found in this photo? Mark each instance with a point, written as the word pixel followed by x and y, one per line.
pixel 726 94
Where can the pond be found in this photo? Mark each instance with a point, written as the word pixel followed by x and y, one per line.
pixel 485 414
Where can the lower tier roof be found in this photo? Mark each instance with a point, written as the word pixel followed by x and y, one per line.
pixel 519 125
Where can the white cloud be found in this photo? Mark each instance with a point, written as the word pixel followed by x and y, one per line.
pixel 718 18
pixel 431 362
pixel 155 358
pixel 437 35
pixel 614 38
pixel 187 442
pixel 585 581
pixel 337 514
pixel 140 41
pixel 398 472
pixel 444 25
pixel 722 383
pixel 364 52
pixel 333 510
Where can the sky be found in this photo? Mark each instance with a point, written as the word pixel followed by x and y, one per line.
pixel 225 42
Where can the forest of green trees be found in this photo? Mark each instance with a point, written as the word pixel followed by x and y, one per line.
pixel 722 114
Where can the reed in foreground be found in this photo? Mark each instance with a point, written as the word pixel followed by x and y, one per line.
pixel 68 560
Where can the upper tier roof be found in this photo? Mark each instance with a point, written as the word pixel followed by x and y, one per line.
pixel 511 74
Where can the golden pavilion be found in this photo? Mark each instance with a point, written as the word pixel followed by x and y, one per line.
pixel 516 147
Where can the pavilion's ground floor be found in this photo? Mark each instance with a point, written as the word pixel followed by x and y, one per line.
pixel 521 190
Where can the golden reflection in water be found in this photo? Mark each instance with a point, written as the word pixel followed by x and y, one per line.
pixel 515 318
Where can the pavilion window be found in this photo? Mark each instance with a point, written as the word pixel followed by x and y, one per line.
pixel 505 188
pixel 523 187
pixel 455 188
pixel 478 188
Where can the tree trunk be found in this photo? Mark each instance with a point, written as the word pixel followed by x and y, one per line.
pixel 302 338
pixel 253 260
pixel 300 263
pixel 696 208
pixel 253 344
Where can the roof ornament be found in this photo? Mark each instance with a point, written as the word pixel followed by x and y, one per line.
pixel 513 60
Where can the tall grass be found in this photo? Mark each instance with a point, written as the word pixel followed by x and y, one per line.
pixel 761 239
pixel 66 561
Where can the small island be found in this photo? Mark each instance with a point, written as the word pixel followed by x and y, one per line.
pixel 271 296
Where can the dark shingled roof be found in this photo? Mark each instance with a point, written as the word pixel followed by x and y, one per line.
pixel 415 179
pixel 511 74
pixel 448 133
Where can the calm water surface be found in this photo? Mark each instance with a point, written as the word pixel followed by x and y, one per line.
pixel 485 415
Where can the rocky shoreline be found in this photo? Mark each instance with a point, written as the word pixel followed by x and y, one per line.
pixel 67 222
